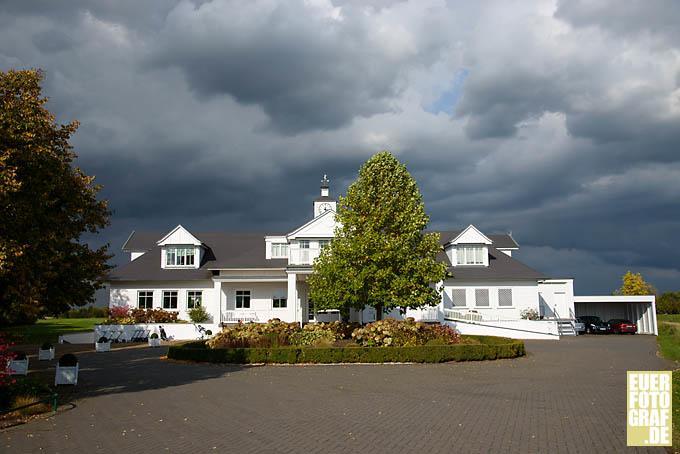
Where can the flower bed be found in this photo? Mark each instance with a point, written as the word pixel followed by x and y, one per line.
pixel 124 315
pixel 475 348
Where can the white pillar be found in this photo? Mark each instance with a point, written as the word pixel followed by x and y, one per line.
pixel 293 296
pixel 217 310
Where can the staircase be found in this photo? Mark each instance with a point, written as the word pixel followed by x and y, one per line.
pixel 565 328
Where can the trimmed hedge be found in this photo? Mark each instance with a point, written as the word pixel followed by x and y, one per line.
pixel 490 348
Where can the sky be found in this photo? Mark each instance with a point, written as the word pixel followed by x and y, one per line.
pixel 556 121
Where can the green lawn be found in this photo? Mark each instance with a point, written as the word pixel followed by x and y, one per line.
pixel 49 330
pixel 668 318
pixel 669 347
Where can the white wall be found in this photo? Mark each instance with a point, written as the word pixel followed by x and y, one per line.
pixel 557 295
pixel 524 296
pixel 516 329
pixel 261 296
pixel 125 294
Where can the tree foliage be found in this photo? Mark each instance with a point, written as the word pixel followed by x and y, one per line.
pixel 668 303
pixel 634 284
pixel 47 204
pixel 380 255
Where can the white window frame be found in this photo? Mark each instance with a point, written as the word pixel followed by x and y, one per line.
pixel 243 294
pixel 488 297
pixel 323 244
pixel 470 255
pixel 176 308
pixel 173 258
pixel 305 244
pixel 512 299
pixel 139 296
pixel 279 250
pixel 279 297
pixel 198 293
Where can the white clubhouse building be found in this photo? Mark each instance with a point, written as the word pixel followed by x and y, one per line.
pixel 257 277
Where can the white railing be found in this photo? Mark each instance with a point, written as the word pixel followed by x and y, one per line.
pixel 463 315
pixel 430 314
pixel 303 256
pixel 238 316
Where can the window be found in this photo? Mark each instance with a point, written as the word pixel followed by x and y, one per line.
pixel 324 243
pixel 169 299
pixel 279 302
pixel 242 299
pixel 482 297
pixel 458 297
pixel 304 244
pixel 470 255
pixel 194 299
pixel 504 297
pixel 145 299
pixel 311 310
pixel 279 250
pixel 179 256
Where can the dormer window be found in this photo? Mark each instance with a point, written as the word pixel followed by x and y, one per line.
pixel 179 256
pixel 470 255
pixel 279 250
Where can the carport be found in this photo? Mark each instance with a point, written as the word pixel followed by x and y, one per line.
pixel 638 309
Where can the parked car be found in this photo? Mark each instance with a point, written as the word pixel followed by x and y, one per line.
pixel 594 324
pixel 622 326
pixel 579 327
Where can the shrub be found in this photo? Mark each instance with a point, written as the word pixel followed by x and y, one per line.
pixel 102 340
pixel 123 315
pixel 408 333
pixel 46 346
pixel 668 303
pixel 198 315
pixel 311 337
pixel 529 314
pixel 36 409
pixel 5 355
pixel 68 360
pixel 273 333
pixel 19 356
pixel 208 332
pixel 154 336
pixel 197 351
pixel 86 312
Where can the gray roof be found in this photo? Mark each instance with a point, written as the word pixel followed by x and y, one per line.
pixel 324 198
pixel 247 250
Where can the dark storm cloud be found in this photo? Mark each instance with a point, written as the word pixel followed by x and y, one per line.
pixel 223 115
pixel 307 70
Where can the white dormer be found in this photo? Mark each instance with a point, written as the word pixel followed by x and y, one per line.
pixel 324 202
pixel 469 248
pixel 306 242
pixel 180 249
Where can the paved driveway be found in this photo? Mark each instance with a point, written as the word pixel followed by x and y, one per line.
pixel 566 396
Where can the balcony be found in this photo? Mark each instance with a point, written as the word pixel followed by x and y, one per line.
pixel 303 256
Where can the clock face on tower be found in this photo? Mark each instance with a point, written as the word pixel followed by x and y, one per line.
pixel 324 207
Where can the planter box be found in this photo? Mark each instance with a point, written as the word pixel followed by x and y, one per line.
pixel 66 375
pixel 102 346
pixel 46 355
pixel 18 367
pixel 155 342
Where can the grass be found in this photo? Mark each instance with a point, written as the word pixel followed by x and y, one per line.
pixel 669 347
pixel 674 318
pixel 49 330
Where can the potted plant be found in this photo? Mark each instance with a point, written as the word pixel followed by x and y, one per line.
pixel 154 341
pixel 46 352
pixel 103 344
pixel 67 370
pixel 19 364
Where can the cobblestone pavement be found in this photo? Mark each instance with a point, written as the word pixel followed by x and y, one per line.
pixel 567 396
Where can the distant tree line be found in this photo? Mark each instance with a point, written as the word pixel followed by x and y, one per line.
pixel 635 284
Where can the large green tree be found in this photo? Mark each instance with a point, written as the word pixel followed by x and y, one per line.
pixel 47 204
pixel 380 255
pixel 634 284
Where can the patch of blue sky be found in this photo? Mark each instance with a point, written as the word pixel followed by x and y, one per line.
pixel 449 98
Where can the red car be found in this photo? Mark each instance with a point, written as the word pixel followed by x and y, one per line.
pixel 621 326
